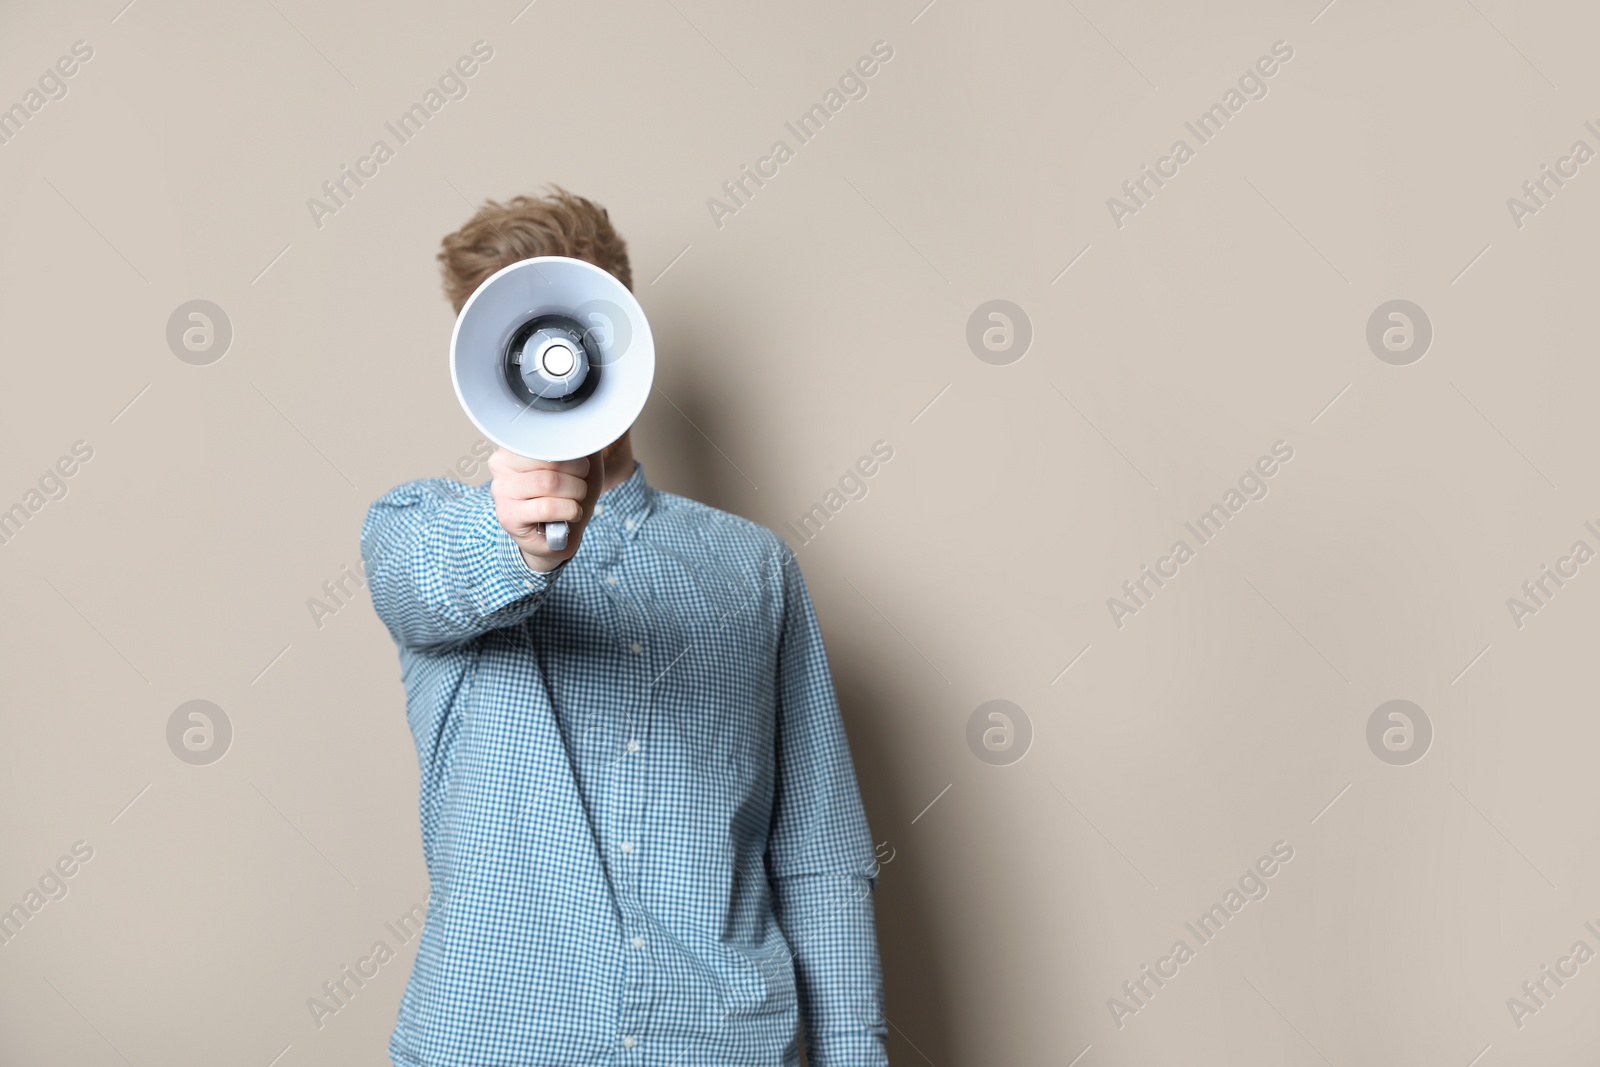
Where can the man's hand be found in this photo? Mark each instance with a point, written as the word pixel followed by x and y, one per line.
pixel 530 492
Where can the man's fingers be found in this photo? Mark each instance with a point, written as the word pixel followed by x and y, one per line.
pixel 523 515
pixel 529 485
pixel 504 462
pixel 529 493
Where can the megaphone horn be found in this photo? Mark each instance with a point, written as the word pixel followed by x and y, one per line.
pixel 552 358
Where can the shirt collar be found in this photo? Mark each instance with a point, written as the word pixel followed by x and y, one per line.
pixel 624 507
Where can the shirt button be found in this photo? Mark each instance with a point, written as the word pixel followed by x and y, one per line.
pixel 599 508
pixel 627 846
pixel 629 1041
pixel 633 746
pixel 611 579
pixel 636 648
pixel 630 524
pixel 638 942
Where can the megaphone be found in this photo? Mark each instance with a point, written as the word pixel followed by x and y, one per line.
pixel 552 358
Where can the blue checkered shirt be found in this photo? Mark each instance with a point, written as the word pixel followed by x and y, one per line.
pixel 644 838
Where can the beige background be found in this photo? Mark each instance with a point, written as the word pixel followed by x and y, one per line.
pixel 1226 315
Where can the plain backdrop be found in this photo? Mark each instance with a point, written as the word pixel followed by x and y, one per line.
pixel 1172 346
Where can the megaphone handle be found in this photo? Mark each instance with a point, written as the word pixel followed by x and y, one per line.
pixel 555 535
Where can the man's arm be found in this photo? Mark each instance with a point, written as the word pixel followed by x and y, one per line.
pixel 820 857
pixel 446 563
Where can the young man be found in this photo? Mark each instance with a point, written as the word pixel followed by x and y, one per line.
pixel 644 837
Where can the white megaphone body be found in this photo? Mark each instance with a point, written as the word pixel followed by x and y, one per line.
pixel 552 358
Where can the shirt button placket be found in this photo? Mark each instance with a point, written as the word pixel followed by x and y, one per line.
pixel 629 780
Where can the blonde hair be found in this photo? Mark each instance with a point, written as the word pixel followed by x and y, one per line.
pixel 558 224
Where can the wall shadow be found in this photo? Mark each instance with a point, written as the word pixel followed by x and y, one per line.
pixel 914 964
pixel 673 437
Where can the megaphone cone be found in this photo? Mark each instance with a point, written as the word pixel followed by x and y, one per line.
pixel 552 358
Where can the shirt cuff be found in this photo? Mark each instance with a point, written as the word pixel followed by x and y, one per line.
pixel 502 577
pixel 517 569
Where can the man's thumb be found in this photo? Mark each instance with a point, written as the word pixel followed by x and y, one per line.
pixel 597 480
